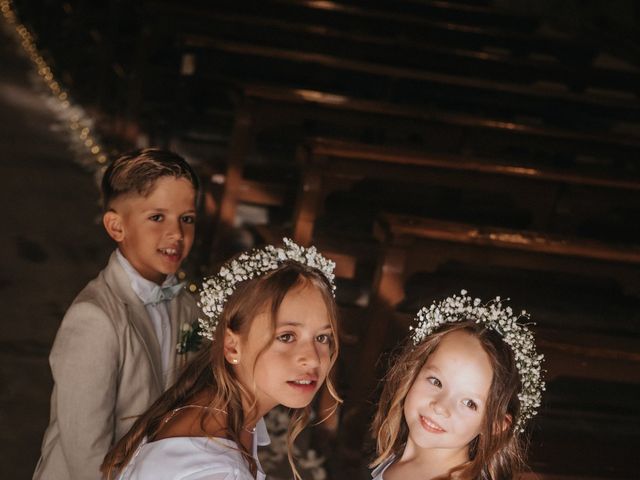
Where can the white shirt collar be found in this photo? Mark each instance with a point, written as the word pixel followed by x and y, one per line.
pixel 262 435
pixel 140 285
pixel 380 469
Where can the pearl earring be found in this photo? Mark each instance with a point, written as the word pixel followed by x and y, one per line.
pixel 234 361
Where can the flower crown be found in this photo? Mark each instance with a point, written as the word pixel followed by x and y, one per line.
pixel 505 322
pixel 218 288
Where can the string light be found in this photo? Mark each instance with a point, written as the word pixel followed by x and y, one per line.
pixel 78 123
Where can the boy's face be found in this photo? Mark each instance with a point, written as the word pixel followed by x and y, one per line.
pixel 155 233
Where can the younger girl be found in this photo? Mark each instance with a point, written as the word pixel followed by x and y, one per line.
pixel 458 395
pixel 271 317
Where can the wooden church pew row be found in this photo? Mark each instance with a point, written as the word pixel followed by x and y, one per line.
pixel 372 21
pixel 414 27
pixel 452 12
pixel 413 244
pixel 430 87
pixel 268 106
pixel 329 164
pixel 405 236
pixel 401 52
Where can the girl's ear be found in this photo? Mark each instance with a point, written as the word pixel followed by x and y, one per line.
pixel 504 425
pixel 231 346
pixel 112 222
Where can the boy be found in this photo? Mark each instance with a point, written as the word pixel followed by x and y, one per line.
pixel 115 351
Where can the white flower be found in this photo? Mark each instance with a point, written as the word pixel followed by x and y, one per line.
pixel 218 288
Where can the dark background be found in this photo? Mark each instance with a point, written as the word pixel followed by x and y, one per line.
pixel 547 87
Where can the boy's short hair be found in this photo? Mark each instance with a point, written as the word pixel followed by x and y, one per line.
pixel 138 171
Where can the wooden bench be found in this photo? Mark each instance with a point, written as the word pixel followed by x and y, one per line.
pixel 415 27
pixel 248 61
pixel 425 55
pixel 415 244
pixel 453 12
pixel 407 237
pixel 330 164
pixel 265 106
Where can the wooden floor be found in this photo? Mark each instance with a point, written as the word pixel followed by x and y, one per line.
pixel 52 245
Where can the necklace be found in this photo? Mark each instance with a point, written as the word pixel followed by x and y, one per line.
pixel 176 410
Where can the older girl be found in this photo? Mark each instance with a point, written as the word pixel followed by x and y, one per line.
pixel 271 317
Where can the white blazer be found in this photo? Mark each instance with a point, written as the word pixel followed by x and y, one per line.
pixel 107 369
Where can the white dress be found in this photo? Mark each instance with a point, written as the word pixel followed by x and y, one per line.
pixel 379 470
pixel 194 458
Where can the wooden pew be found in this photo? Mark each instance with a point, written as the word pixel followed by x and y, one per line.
pixel 265 106
pixel 435 79
pixel 453 12
pixel 413 244
pixel 247 61
pixel 455 122
pixel 413 27
pixel 330 164
pixel 406 236
pixel 425 55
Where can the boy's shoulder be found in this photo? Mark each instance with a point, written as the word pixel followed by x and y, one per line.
pixel 108 291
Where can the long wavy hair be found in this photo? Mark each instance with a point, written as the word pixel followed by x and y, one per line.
pixel 209 371
pixel 497 453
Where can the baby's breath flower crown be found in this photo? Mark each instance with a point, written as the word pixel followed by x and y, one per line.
pixel 505 322
pixel 218 288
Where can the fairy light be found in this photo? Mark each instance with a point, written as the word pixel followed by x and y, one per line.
pixel 79 124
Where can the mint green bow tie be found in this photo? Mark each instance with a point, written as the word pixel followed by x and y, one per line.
pixel 163 294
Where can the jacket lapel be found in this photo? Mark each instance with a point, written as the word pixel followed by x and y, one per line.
pixel 181 311
pixel 141 323
pixel 175 312
pixel 119 281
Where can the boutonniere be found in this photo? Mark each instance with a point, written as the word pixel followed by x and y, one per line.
pixel 190 338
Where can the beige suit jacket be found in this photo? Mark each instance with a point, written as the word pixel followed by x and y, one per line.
pixel 107 369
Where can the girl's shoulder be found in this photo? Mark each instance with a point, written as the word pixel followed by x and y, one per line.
pixel 377 472
pixel 187 458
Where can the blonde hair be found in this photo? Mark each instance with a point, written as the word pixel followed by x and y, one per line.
pixel 139 170
pixel 497 453
pixel 210 371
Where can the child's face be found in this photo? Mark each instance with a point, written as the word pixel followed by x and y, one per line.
pixel 445 406
pixel 157 230
pixel 296 361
